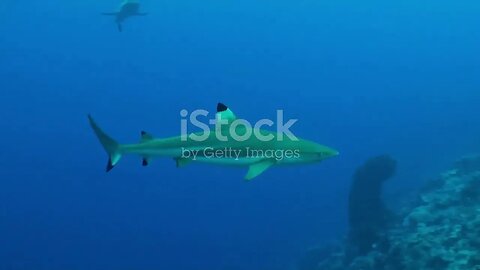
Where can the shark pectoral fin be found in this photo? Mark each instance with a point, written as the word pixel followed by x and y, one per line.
pixel 259 168
pixel 120 27
pixel 181 162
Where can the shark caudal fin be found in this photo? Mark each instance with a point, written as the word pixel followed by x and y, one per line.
pixel 109 144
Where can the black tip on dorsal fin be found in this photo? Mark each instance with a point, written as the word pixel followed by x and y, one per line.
pixel 144 162
pixel 109 165
pixel 221 107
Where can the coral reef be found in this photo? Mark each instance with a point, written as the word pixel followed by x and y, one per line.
pixel 441 231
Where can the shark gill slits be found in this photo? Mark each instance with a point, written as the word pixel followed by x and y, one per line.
pixel 221 107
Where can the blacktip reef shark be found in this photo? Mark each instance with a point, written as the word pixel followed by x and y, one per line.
pixel 129 8
pixel 253 152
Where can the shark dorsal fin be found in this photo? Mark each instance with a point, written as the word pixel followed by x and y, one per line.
pixel 224 113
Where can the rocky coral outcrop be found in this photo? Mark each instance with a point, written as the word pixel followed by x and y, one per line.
pixel 442 231
pixel 367 215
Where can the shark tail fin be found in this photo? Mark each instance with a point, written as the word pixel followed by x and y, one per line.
pixel 110 145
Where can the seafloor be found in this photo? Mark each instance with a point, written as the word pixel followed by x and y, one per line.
pixel 440 230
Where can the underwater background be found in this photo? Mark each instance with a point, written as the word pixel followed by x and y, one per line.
pixel 365 77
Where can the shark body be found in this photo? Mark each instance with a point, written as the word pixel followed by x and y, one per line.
pixel 256 154
pixel 128 9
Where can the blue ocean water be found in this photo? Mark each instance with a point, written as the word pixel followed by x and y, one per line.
pixel 366 78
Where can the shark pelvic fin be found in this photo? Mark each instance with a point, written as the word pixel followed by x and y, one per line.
pixel 259 168
pixel 145 161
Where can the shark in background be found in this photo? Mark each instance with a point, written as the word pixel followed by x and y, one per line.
pixel 253 153
pixel 128 9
